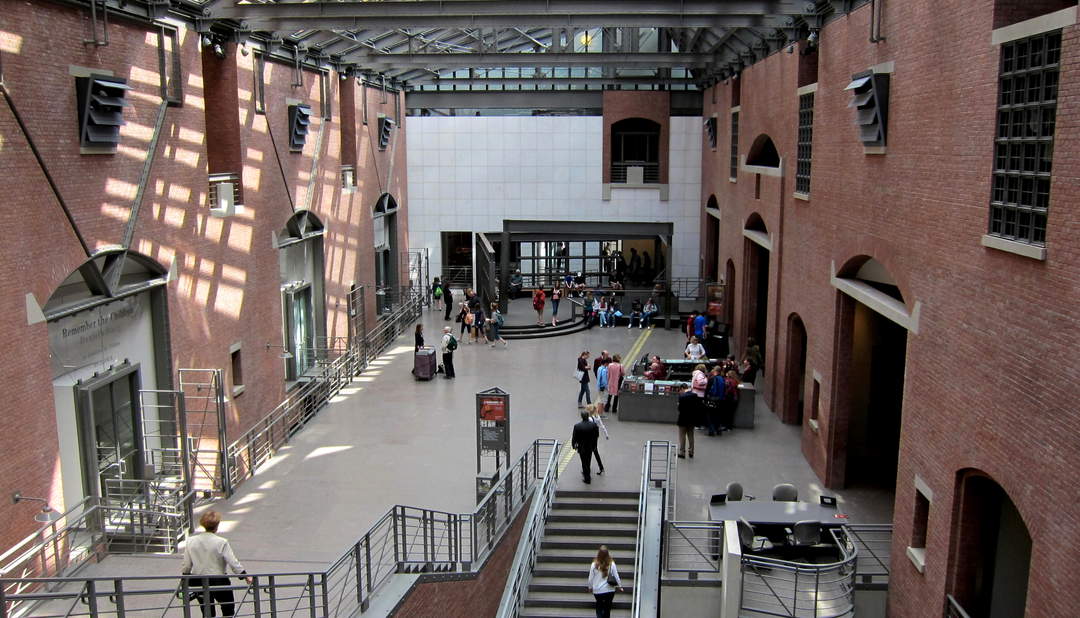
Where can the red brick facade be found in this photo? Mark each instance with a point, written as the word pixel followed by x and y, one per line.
pixel 654 106
pixel 991 375
pixel 227 283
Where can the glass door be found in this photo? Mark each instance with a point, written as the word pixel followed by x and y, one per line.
pixel 301 329
pixel 110 435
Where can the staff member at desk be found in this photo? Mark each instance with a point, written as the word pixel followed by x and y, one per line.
pixel 656 370
pixel 694 350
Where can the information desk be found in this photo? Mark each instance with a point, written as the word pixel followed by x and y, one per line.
pixel 656 401
pixel 677 368
pixel 766 512
pixel 651 401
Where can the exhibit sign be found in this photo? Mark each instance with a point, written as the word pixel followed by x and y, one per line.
pixel 714 301
pixel 492 426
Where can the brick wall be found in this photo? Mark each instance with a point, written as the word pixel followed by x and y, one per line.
pixel 226 288
pixel 654 106
pixel 471 597
pixel 991 379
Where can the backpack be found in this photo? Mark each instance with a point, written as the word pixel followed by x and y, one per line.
pixel 452 344
pixel 438 291
pixel 499 319
pixel 716 389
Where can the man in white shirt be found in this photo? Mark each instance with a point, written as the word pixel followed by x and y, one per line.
pixel 449 344
pixel 208 554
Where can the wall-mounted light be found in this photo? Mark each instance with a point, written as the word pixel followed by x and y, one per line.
pixel 813 38
pixel 47 515
pixel 206 40
pixel 244 48
pixel 219 51
pixel 285 353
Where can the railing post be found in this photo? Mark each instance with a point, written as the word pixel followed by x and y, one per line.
pixel 273 595
pixel 311 595
pixel 398 551
pixel 91 597
pixel 118 595
pixel 358 562
pixel 325 596
pixel 256 600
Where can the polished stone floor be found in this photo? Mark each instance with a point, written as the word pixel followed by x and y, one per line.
pixel 389 439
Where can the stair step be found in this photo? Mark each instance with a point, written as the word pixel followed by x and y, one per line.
pixel 566 612
pixel 563 585
pixel 608 505
pixel 588 529
pixel 586 545
pixel 591 517
pixel 582 557
pixel 570 570
pixel 572 493
pixel 572 600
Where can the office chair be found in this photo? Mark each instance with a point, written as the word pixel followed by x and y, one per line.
pixel 805 533
pixel 749 542
pixel 735 493
pixel 785 492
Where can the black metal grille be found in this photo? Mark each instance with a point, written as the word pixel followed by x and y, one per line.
pixel 804 147
pixel 735 145
pixel 1024 146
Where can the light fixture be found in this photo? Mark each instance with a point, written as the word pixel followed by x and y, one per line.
pixel 285 353
pixel 812 39
pixel 206 40
pixel 791 48
pixel 219 51
pixel 46 516
pixel 243 48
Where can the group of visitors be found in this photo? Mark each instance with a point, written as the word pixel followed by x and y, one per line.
pixel 608 372
pixel 478 326
pixel 709 403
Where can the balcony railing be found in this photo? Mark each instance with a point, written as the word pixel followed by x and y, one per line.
pixel 622 172
pixel 224 193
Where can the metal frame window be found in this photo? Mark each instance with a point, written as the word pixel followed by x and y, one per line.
pixel 172 88
pixel 734 145
pixel 259 75
pixel 804 144
pixel 1024 144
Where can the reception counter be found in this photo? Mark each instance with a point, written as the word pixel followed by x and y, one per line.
pixel 656 401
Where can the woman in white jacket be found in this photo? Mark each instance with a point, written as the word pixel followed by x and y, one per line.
pixel 603 581
pixel 208 555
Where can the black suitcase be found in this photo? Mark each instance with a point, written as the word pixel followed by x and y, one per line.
pixel 424 365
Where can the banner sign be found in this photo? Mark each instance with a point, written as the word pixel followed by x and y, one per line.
pixel 714 301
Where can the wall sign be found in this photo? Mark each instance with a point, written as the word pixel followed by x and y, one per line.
pixel 492 425
pixel 94 335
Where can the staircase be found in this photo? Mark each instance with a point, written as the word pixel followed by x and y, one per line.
pixel 580 522
pixel 510 332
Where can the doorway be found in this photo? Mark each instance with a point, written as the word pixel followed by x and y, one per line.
pixel 994 550
pixel 711 250
pixel 795 376
pixel 756 254
pixel 457 248
pixel 110 434
pixel 875 394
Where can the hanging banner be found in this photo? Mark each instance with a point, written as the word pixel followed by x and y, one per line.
pixel 714 301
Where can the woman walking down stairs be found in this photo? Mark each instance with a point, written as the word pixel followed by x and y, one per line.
pixel 581 521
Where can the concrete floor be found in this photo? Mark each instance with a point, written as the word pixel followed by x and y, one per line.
pixel 389 439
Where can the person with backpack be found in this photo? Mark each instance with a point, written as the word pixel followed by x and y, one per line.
pixel 449 344
pixel 715 393
pixel 495 323
pixel 436 294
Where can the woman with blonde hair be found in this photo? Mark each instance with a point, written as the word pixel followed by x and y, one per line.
pixel 603 581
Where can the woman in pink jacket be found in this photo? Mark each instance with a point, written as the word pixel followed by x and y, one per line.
pixel 699 381
pixel 615 376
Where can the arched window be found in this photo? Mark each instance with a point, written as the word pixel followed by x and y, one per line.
pixel 635 143
pixel 763 153
pixel 302 296
pixel 384 222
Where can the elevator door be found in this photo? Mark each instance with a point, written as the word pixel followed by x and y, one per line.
pixel 110 434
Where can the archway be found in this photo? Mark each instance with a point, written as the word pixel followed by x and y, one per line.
pixel 763 152
pixel 795 374
pixel 757 247
pixel 108 340
pixel 303 299
pixel 384 221
pixel 871 352
pixel 992 549
pixel 711 246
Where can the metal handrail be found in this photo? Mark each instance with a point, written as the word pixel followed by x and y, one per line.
pixel 657 468
pixel 259 443
pixel 694 547
pixel 783 589
pixel 405 539
pixel 953 609
pixel 520 573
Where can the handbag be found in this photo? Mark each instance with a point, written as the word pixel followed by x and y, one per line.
pixel 578 375
pixel 611 581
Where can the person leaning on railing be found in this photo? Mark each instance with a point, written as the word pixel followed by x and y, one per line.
pixel 208 554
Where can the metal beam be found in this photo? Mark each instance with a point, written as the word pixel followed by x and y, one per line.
pixel 511 59
pixel 394 14
pixel 547 82
pixel 525 99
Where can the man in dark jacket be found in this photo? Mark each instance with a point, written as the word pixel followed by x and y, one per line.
pixel 586 433
pixel 448 298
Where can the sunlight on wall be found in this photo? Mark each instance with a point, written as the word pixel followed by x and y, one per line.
pixel 252 175
pixel 229 300
pixel 240 237
pixel 134 130
pixel 10 42
pixel 254 154
pixel 171 216
pixel 190 136
pixel 142 76
pixel 120 213
pixel 120 188
pixel 234 274
pixel 180 193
